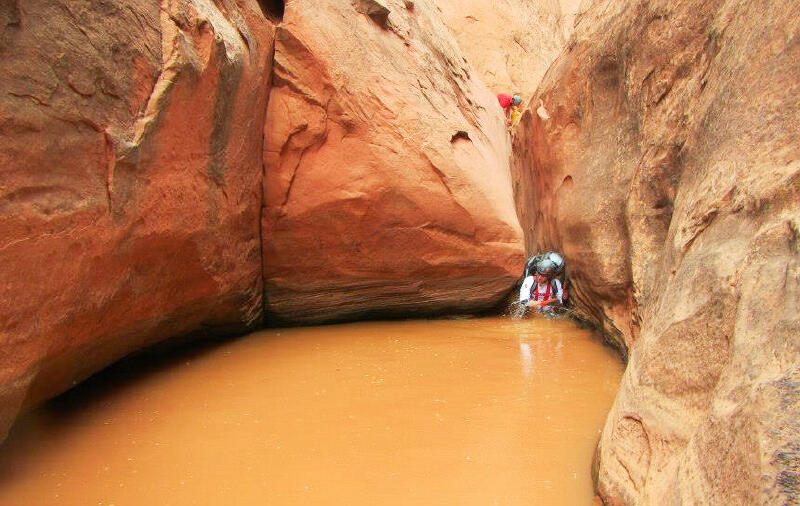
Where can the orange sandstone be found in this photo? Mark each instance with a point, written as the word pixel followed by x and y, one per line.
pixel 665 166
pixel 387 188
pixel 130 193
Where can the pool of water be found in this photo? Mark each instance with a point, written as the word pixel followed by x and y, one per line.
pixel 443 412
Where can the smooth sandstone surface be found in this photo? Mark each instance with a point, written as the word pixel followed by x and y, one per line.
pixel 511 43
pixel 570 11
pixel 661 156
pixel 130 181
pixel 387 185
pixel 133 152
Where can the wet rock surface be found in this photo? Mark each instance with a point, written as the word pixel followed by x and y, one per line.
pixel 661 156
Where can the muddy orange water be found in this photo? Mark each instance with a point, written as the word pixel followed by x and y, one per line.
pixel 465 412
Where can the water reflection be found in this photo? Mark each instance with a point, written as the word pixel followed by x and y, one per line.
pixel 527 359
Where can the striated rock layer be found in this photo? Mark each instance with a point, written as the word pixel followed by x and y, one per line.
pixel 130 152
pixel 668 172
pixel 387 189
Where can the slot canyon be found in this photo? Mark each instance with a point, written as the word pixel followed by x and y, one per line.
pixel 269 243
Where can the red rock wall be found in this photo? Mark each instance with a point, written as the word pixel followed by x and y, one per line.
pixel 138 191
pixel 130 194
pixel 387 187
pixel 663 161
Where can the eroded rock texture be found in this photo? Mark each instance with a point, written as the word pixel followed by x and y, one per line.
pixel 387 188
pixel 571 9
pixel 668 172
pixel 130 153
pixel 511 43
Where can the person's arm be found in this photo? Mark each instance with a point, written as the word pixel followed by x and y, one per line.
pixel 536 303
pixel 525 289
pixel 559 291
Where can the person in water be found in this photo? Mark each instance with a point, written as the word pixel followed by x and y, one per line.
pixel 541 289
pixel 507 102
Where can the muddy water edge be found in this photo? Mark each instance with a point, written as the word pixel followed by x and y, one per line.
pixel 466 412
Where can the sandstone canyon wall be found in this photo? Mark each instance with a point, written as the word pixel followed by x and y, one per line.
pixel 663 160
pixel 570 10
pixel 131 168
pixel 387 188
pixel 510 42
pixel 146 194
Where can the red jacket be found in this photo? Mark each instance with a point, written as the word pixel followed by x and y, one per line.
pixel 505 100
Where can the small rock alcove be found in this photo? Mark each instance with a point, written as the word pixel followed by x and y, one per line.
pixel 460 135
pixel 273 9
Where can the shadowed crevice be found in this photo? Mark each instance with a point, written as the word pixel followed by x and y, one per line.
pixel 273 9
